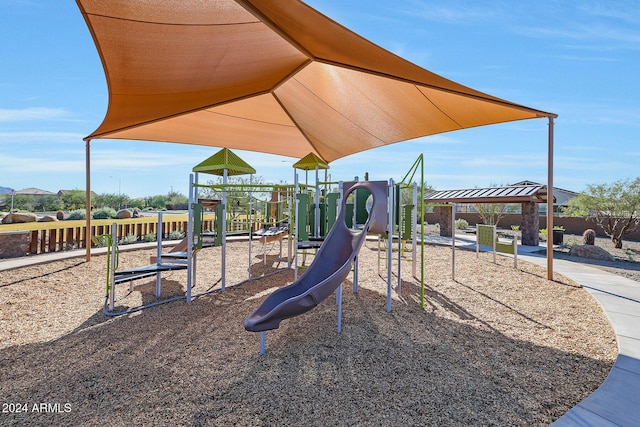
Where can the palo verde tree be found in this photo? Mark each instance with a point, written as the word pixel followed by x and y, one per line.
pixel 238 191
pixel 492 213
pixel 75 199
pixel 614 207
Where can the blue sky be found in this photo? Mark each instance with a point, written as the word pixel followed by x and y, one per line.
pixel 578 59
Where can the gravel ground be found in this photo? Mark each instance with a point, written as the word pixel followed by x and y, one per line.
pixel 498 346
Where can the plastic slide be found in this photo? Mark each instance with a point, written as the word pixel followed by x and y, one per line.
pixel 330 267
pixel 181 246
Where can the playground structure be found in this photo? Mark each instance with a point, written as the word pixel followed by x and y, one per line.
pixel 172 261
pixel 334 227
pixel 329 269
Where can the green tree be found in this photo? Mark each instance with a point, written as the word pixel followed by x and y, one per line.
pixel 159 201
pixel 111 200
pixel 237 192
pixel 176 198
pixel 75 199
pixel 139 203
pixel 22 202
pixel 52 203
pixel 614 207
pixel 492 213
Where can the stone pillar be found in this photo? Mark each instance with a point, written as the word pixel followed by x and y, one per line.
pixel 13 244
pixel 444 219
pixel 530 224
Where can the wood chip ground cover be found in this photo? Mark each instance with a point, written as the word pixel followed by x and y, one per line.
pixel 497 346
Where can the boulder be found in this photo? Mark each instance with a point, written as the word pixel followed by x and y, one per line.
pixel 591 252
pixel 60 215
pixel 123 214
pixel 589 237
pixel 48 218
pixel 20 217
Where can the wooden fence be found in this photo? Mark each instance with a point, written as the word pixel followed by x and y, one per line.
pixel 56 236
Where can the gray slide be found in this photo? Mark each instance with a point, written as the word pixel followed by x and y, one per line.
pixel 330 267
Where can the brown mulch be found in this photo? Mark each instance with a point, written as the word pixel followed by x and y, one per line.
pixel 498 346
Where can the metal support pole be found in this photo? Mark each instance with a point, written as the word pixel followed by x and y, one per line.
pixel 295 226
pixel 316 220
pixel 414 231
pixel 159 255
pixel 263 340
pixel 339 302
pixel 112 269
pixel 355 276
pixel 190 224
pixel 87 237
pixel 495 235
pixel 390 210
pixel 224 229
pixel 453 241
pixel 550 203
pixel 194 258
pixel 250 225
pixel 355 205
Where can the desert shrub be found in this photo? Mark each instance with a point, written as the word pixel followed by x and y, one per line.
pixel 589 237
pixel 461 224
pixel 128 239
pixel 77 215
pixel 104 213
pixel 515 227
pixel 150 237
pixel 101 241
pixel 176 235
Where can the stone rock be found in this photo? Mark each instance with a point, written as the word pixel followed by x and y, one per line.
pixel 123 214
pixel 19 217
pixel 591 252
pixel 48 218
pixel 136 214
pixel 60 215
pixel 589 237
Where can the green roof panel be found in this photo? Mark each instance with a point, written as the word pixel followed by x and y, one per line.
pixel 311 162
pixel 224 159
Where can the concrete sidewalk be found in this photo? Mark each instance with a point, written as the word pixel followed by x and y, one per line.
pixel 25 261
pixel 617 401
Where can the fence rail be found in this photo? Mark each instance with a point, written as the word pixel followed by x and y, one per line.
pixel 57 236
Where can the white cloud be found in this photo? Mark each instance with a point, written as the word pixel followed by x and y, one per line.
pixel 34 113
pixel 452 13
pixel 39 165
pixel 41 136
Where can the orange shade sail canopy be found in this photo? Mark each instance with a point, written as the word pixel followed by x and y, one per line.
pixel 272 76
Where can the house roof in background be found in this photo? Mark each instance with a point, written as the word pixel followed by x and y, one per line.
pixel 554 187
pixel 35 192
